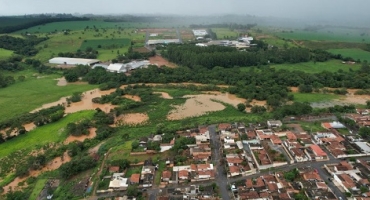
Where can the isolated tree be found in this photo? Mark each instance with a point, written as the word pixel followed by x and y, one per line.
pixel 241 107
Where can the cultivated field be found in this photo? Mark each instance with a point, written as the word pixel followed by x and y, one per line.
pixel 225 33
pixel 353 53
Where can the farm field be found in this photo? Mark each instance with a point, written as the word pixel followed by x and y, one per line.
pixel 25 96
pixel 53 132
pixel 353 53
pixel 105 43
pixel 4 53
pixel 311 67
pixel 338 35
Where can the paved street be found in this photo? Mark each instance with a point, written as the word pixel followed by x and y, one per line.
pixel 221 178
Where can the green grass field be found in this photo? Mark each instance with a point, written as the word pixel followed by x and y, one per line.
pixel 354 53
pixel 26 96
pixel 105 43
pixel 327 34
pixel 314 97
pixel 311 67
pixel 80 25
pixel 224 33
pixel 4 53
pixel 38 188
pixel 53 132
pixel 75 40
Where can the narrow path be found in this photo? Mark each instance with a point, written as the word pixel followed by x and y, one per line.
pixel 93 195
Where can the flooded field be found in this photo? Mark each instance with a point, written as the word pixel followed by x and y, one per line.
pixel 132 97
pixel 197 105
pixel 52 165
pixel 131 119
pixel 159 61
pixel 71 138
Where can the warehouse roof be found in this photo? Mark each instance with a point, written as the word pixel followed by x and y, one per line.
pixel 73 61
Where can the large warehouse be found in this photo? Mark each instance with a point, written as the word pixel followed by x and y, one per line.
pixel 164 41
pixel 73 61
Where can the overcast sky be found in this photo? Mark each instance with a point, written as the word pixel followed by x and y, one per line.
pixel 340 9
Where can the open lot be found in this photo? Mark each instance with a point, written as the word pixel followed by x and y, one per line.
pixel 314 97
pixel 225 33
pixel 353 53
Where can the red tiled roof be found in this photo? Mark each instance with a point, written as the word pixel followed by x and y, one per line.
pixel 234 169
pixel 166 174
pixel 234 160
pixel 224 126
pixel 135 178
pixel 291 136
pixel 272 187
pixel 317 150
pixel 347 181
pixel 326 125
pixel 311 176
pixel 114 169
pixel 183 173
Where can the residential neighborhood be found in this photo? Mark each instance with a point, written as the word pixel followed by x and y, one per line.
pixel 325 164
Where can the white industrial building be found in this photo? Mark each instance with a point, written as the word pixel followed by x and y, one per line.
pixel 199 32
pixel 164 41
pixel 125 67
pixel 100 65
pixel 73 61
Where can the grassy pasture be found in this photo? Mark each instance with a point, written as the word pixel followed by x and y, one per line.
pixel 4 53
pixel 314 97
pixel 105 43
pixel 311 67
pixel 53 132
pixel 80 25
pixel 23 97
pixel 38 188
pixel 354 53
pixel 75 40
pixel 327 34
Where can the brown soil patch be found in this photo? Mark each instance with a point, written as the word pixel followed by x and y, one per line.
pixel 29 126
pixel 155 30
pixel 52 165
pixel 164 95
pixel 85 103
pixel 159 61
pixel 132 97
pixel 131 119
pixel 294 89
pixel 197 105
pixel 71 138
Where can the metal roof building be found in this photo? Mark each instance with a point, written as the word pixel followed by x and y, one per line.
pixel 73 61
pixel 164 41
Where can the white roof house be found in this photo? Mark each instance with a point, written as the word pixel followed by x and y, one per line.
pixel 118 182
pixel 73 61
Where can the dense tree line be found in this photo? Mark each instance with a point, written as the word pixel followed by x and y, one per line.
pixel 21 46
pixel 76 165
pixel 79 128
pixel 20 23
pixel 88 53
pixel 211 56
